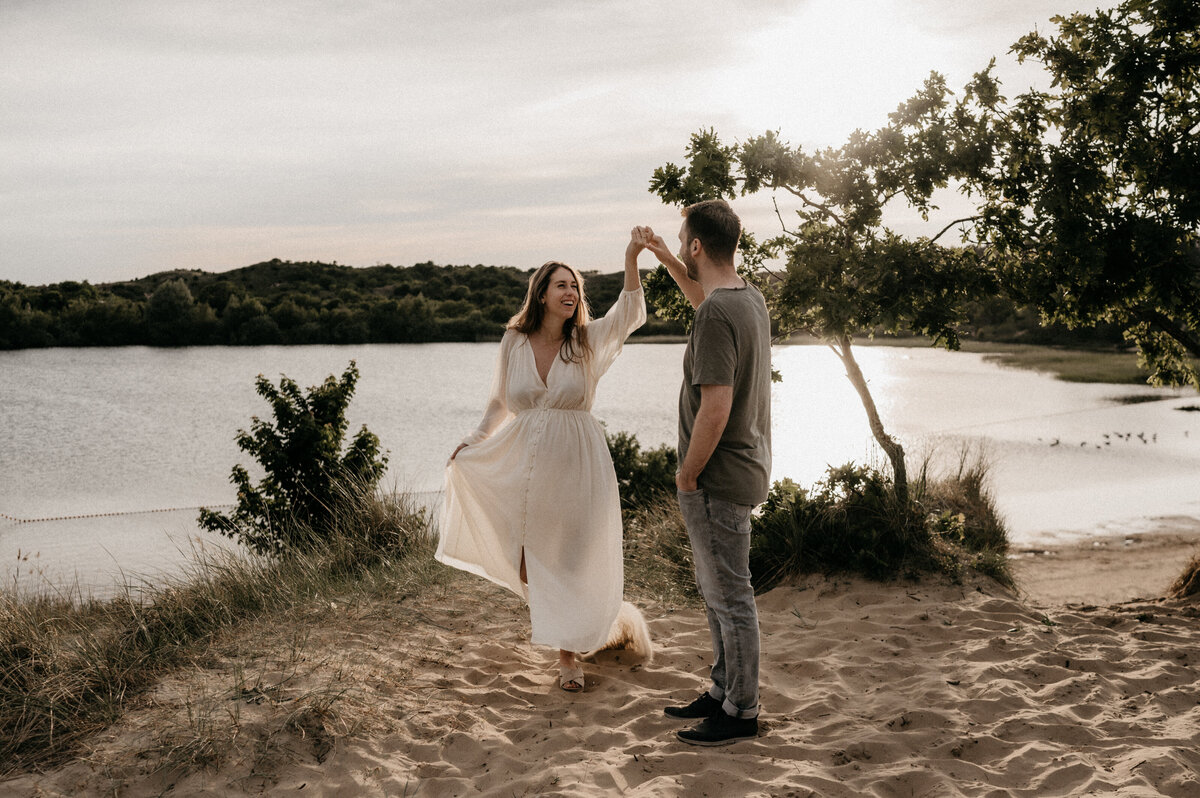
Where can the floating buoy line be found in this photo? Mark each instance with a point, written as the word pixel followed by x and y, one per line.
pixel 428 494
pixel 16 520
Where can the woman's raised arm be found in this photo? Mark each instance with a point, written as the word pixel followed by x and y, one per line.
pixel 639 238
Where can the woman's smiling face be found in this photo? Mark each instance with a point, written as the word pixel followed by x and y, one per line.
pixel 561 299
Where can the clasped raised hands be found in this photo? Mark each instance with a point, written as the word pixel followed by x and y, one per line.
pixel 644 238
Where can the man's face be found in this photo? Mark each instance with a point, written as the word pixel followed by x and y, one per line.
pixel 685 253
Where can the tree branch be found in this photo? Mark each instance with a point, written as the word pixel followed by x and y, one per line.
pixel 1156 318
pixel 956 221
pixel 823 208
pixel 779 216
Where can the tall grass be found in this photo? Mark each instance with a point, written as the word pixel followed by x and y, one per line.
pixel 962 516
pixel 1187 584
pixel 69 666
pixel 658 556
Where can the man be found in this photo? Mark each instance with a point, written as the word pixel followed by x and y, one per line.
pixel 725 459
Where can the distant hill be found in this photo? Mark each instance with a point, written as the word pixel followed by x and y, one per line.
pixel 282 302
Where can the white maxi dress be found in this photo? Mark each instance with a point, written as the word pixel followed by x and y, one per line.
pixel 536 475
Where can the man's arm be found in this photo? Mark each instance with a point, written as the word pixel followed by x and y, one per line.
pixel 711 418
pixel 690 288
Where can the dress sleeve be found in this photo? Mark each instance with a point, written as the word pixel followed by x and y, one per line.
pixel 497 411
pixel 607 335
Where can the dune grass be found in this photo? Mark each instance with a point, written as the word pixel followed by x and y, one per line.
pixel 69 666
pixel 1187 584
pixel 658 557
pixel 961 514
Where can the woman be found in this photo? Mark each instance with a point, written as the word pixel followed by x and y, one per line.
pixel 531 496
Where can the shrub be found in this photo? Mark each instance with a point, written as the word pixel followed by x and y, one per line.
pixel 308 479
pixel 642 477
pixel 959 507
pixel 852 522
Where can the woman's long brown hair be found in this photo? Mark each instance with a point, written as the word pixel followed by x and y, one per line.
pixel 531 315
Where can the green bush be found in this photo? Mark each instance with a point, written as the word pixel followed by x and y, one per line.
pixel 642 476
pixel 308 479
pixel 851 522
pixel 962 507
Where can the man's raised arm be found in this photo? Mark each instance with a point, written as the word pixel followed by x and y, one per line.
pixel 675 267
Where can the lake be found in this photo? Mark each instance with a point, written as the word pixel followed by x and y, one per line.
pixel 138 438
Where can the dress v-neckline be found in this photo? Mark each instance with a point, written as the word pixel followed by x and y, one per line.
pixel 545 381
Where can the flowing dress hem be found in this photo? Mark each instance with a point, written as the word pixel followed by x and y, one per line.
pixel 579 649
pixel 475 568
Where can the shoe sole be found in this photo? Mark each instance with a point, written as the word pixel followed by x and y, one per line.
pixel 715 743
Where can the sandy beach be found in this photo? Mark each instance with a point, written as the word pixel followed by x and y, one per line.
pixel 1108 569
pixel 1083 682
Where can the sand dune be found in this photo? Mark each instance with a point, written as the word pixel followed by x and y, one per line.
pixel 923 689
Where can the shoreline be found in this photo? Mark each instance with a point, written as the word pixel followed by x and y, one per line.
pixel 1100 567
pixel 1106 569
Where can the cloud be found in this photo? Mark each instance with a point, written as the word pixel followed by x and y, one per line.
pixel 402 130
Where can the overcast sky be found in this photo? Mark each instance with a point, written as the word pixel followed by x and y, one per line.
pixel 139 136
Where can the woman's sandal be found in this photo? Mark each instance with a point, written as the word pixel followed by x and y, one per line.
pixel 570 679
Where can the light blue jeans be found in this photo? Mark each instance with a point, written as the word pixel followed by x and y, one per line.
pixel 720 535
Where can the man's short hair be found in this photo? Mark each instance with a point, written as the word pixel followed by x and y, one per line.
pixel 717 227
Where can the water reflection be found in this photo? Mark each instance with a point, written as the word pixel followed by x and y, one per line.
pixel 90 431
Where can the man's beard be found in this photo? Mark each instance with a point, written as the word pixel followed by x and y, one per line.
pixel 690 265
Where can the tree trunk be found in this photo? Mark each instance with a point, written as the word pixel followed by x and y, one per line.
pixel 891 447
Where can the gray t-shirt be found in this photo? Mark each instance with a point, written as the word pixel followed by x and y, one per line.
pixel 730 344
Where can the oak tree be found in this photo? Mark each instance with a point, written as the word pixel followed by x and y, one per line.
pixel 1090 195
pixel 845 275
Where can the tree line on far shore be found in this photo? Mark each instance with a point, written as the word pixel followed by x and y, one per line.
pixel 281 302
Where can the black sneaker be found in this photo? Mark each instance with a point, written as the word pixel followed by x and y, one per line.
pixel 720 729
pixel 702 707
